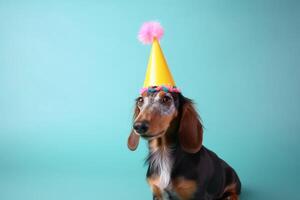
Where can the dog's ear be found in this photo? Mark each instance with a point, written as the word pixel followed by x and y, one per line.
pixel 190 130
pixel 133 139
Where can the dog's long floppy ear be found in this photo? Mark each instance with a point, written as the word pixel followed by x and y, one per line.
pixel 133 139
pixel 190 131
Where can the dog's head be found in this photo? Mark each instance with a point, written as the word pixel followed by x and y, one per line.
pixel 156 113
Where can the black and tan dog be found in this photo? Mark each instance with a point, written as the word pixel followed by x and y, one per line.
pixel 179 166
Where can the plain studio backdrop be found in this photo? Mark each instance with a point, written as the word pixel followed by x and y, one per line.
pixel 70 71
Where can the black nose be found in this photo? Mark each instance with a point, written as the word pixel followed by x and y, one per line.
pixel 141 127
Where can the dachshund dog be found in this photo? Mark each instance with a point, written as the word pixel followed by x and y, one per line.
pixel 180 168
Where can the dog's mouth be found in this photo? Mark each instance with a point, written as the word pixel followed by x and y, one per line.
pixel 151 137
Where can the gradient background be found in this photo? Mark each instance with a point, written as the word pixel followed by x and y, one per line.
pixel 69 73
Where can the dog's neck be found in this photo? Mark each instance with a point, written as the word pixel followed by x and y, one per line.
pixel 160 161
pixel 160 158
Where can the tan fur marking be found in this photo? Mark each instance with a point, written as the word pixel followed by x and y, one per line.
pixel 232 190
pixel 232 197
pixel 184 188
pixel 161 94
pixel 144 94
pixel 154 182
pixel 154 145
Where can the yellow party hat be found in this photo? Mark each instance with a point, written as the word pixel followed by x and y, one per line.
pixel 158 75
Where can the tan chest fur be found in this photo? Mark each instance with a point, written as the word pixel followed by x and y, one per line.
pixel 183 188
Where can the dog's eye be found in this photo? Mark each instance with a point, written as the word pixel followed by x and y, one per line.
pixel 140 101
pixel 166 99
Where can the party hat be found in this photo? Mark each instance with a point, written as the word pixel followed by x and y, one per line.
pixel 158 75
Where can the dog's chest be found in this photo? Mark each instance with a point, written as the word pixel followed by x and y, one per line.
pixel 160 166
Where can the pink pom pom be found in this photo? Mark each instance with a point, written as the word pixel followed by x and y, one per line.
pixel 149 31
pixel 177 90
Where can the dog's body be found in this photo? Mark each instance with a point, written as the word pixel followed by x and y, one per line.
pixel 202 176
pixel 180 168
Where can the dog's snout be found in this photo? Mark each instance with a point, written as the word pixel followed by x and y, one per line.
pixel 141 127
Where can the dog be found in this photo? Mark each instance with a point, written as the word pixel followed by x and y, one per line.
pixel 180 167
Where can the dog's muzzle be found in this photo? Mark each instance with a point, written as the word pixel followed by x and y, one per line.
pixel 141 127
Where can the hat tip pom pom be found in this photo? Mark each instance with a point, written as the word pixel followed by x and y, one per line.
pixel 149 31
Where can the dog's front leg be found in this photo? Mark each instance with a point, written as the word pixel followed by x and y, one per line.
pixel 157 194
pixel 153 182
pixel 165 195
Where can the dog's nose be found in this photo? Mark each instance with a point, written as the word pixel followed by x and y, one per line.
pixel 141 127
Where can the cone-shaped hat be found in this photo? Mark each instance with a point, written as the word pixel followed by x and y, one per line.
pixel 158 73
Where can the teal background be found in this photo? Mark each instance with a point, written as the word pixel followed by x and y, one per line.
pixel 70 70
